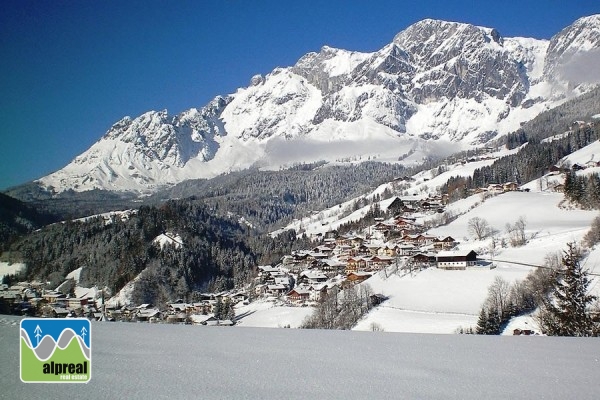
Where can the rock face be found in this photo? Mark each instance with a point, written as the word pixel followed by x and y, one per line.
pixel 436 81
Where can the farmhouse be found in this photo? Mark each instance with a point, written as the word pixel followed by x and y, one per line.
pixel 456 260
pixel 298 295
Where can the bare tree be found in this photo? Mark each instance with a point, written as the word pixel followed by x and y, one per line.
pixel 516 232
pixel 498 299
pixel 479 228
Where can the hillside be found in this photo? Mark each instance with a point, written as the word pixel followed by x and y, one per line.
pixel 438 301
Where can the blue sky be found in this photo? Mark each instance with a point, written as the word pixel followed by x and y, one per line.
pixel 70 69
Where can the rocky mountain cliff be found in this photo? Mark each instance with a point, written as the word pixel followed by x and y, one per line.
pixel 437 82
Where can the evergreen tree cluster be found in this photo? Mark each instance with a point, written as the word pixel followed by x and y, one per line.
pixel 217 252
pixel 18 218
pixel 532 162
pixel 567 311
pixel 583 189
pixel 555 121
pixel 224 309
pixel 269 199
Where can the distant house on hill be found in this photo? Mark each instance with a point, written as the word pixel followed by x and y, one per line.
pixel 444 244
pixel 357 277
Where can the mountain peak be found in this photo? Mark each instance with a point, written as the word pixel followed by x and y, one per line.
pixel 437 80
pixel 576 45
pixel 434 30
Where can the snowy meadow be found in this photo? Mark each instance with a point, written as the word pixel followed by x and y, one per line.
pixel 137 361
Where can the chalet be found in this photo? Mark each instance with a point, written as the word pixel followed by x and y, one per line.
pixel 444 244
pixel 403 223
pixel 373 249
pixel 355 264
pixel 510 186
pixel 356 241
pixel 53 297
pixel 343 241
pixel 425 240
pixel 360 250
pixel 276 290
pixel 323 249
pixel 388 250
pixel 396 205
pixel 60 312
pixel 383 227
pixel 555 169
pixel 405 249
pixel 177 318
pixel 422 260
pixel 410 239
pixel 357 277
pixel 318 292
pixel 431 205
pixel 333 266
pixel 315 256
pixel 376 263
pixel 75 302
pixel 180 307
pixel 298 295
pixel 240 296
pixel 524 332
pixel 148 314
pixel 312 277
pixel 495 188
pixel 342 249
pixel 282 280
pixel 200 319
pixel 456 260
pixel 331 234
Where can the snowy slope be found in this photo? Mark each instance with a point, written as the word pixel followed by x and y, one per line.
pixel 437 81
pixel 9 269
pixel 141 361
pixel 438 301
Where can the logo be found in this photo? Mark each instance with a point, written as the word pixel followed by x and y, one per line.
pixel 56 350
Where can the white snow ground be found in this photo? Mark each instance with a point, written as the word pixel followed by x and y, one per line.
pixel 143 361
pixel 8 269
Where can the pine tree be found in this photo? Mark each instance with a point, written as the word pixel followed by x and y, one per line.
pixel 567 311
pixel 218 309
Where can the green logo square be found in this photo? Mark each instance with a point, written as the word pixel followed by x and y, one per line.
pixel 56 350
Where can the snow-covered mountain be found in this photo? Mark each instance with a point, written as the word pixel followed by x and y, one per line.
pixel 437 82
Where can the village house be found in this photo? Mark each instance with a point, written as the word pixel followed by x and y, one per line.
pixel 390 250
pixel 357 277
pixel 444 244
pixel 312 277
pixel 298 295
pixel 376 263
pixel 422 260
pixel 318 292
pixel 510 186
pixel 333 267
pixel 405 250
pixel 276 290
pixel 355 264
pixel 456 260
